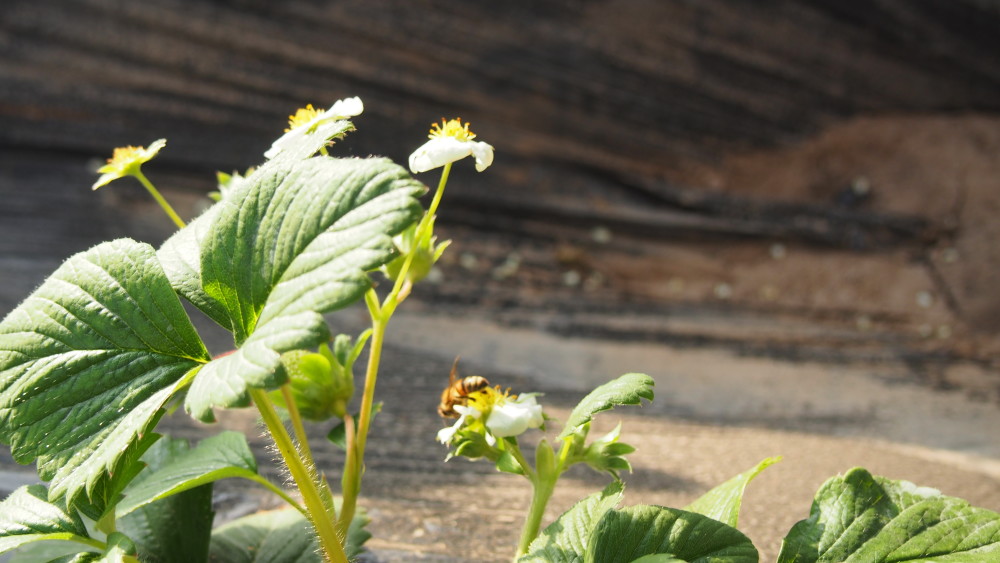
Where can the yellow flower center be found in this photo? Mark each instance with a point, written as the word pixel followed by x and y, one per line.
pixel 301 117
pixel 485 399
pixel 125 155
pixel 453 128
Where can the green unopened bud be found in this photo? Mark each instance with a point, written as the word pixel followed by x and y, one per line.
pixel 310 384
pixel 545 460
pixel 425 253
pixel 321 383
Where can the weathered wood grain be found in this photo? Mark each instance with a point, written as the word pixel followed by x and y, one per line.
pixel 627 85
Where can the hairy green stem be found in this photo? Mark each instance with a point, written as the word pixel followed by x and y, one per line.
pixel 329 539
pixel 159 199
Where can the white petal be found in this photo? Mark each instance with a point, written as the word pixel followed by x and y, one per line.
pixel 446 434
pixel 466 411
pixel 491 440
pixel 437 152
pixel 342 109
pixel 483 153
pixel 514 417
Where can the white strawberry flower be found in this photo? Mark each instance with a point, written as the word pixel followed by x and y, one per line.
pixel 450 141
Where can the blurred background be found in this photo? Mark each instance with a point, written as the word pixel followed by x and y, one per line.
pixel 765 205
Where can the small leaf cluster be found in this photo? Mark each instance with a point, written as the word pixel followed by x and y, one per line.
pixel 607 453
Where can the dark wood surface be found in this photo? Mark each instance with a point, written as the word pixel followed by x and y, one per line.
pixel 628 86
pixel 594 107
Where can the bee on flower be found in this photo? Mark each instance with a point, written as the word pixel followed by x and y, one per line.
pixel 494 414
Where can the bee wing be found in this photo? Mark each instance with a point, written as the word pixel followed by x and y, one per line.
pixel 454 372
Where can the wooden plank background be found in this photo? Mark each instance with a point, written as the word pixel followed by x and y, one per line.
pixel 627 86
pixel 595 107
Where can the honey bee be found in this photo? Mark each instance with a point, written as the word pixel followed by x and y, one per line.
pixel 458 390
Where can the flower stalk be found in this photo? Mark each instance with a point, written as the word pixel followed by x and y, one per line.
pixel 159 199
pixel 542 490
pixel 380 314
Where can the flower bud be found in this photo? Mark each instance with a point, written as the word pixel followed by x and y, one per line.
pixel 321 383
pixel 425 253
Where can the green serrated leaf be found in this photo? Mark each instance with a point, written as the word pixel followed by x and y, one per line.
pixel 625 535
pixel 27 516
pixel 181 259
pixel 566 540
pixel 280 536
pixel 298 241
pixel 628 389
pixel 723 502
pixel 105 496
pixel 82 557
pixel 304 236
pixel 173 527
pixel 225 382
pixel 88 360
pixel 860 518
pixel 46 551
pixel 659 558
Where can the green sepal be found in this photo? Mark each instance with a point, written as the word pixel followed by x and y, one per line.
pixel 508 464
